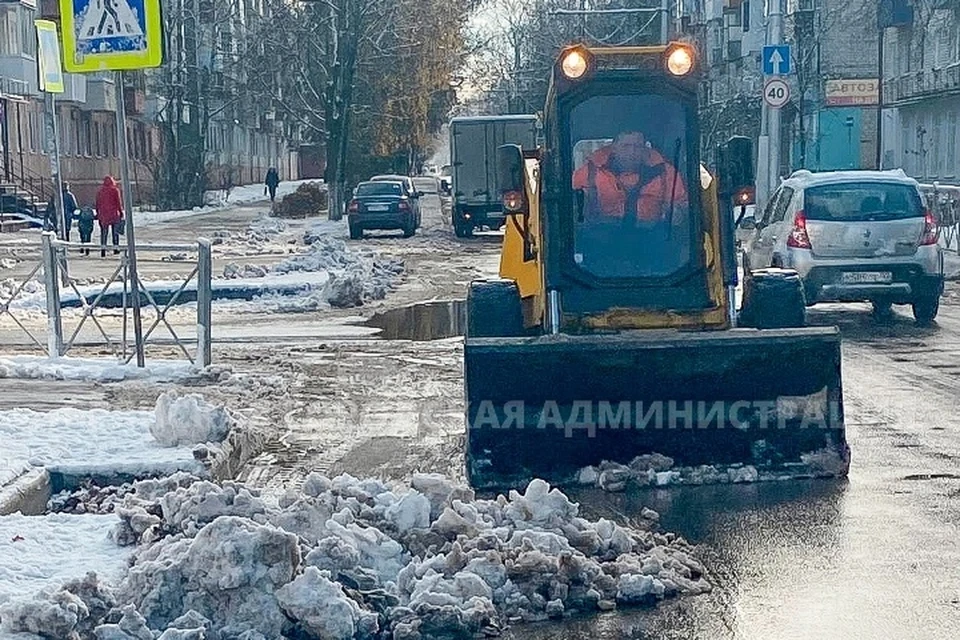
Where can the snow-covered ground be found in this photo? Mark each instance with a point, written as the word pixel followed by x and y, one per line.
pixel 91 369
pixel 86 442
pixel 248 194
pixel 37 552
pixel 317 270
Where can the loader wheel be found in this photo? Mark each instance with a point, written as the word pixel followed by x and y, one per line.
pixel 773 299
pixel 494 309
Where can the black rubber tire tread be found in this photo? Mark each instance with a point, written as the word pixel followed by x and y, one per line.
pixel 356 233
pixel 926 308
pixel 773 299
pixel 494 310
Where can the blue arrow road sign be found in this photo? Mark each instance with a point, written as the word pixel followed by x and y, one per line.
pixel 776 60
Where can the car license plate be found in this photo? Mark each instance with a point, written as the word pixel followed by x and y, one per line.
pixel 378 207
pixel 867 277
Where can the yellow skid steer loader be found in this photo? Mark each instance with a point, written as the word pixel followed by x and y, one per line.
pixel 613 331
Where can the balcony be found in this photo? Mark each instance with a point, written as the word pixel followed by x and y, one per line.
pixel 101 92
pixel 18 75
pixel 921 84
pixel 74 88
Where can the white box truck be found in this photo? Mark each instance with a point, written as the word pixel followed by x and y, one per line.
pixel 473 154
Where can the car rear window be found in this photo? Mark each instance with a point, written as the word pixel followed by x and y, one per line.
pixel 862 201
pixel 379 189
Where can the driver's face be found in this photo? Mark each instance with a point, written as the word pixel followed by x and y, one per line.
pixel 629 154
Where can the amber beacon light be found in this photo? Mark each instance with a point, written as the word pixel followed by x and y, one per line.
pixel 575 63
pixel 679 60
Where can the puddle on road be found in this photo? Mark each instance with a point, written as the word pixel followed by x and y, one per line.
pixel 423 321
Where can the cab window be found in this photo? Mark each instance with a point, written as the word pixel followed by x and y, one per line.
pixel 628 160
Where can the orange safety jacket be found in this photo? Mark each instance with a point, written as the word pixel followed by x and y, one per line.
pixel 609 194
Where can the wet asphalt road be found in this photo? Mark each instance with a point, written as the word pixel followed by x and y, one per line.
pixel 876 556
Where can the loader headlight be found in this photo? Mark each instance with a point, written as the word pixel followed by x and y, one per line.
pixel 574 63
pixel 679 60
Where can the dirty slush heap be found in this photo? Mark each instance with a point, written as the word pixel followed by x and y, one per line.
pixel 348 558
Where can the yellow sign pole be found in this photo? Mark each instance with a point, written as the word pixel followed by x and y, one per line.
pixel 116 35
pixel 50 77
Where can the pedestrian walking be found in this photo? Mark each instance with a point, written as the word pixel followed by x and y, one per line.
pixel 85 225
pixel 109 214
pixel 52 219
pixel 272 181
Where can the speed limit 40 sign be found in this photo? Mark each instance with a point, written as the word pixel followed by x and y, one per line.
pixel 776 93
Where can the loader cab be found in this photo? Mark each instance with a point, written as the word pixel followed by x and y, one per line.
pixel 622 185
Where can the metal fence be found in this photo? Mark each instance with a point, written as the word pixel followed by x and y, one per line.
pixel 104 302
pixel 944 202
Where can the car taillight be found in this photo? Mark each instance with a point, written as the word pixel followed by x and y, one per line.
pixel 404 205
pixel 798 238
pixel 354 206
pixel 931 232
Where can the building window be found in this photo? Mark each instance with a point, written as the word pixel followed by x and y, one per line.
pixel 746 15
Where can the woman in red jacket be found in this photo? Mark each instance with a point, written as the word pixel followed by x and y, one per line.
pixel 109 213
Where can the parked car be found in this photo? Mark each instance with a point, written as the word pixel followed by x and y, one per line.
pixel 381 204
pixel 853 236
pixel 409 188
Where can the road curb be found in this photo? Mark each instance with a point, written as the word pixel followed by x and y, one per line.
pixel 28 494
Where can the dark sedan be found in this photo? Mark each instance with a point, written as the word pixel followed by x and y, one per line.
pixel 381 205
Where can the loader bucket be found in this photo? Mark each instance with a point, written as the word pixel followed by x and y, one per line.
pixel 548 406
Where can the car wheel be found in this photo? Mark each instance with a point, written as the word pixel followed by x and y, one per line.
pixel 773 299
pixel 494 310
pixel 356 232
pixel 925 308
pixel 410 229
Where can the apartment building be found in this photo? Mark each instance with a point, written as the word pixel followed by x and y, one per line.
pixel 921 91
pixel 236 145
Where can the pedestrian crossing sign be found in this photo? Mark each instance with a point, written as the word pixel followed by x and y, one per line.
pixel 49 71
pixel 111 35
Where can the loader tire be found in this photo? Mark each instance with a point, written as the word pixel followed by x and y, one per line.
pixel 494 310
pixel 773 299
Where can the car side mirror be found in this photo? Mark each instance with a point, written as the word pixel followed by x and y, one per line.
pixel 735 165
pixel 510 187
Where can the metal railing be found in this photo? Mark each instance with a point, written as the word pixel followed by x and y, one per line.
pixel 110 299
pixel 944 202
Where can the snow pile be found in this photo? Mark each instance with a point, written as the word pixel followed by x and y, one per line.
pixel 234 271
pixel 189 419
pixel 29 294
pixel 265 228
pixel 89 498
pixel 656 470
pixel 91 369
pixel 355 277
pixel 347 558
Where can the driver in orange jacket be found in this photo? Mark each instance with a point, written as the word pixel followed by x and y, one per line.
pixel 631 181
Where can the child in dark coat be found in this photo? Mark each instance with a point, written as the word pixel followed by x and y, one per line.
pixel 85 224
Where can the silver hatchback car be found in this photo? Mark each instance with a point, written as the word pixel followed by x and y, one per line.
pixel 853 236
